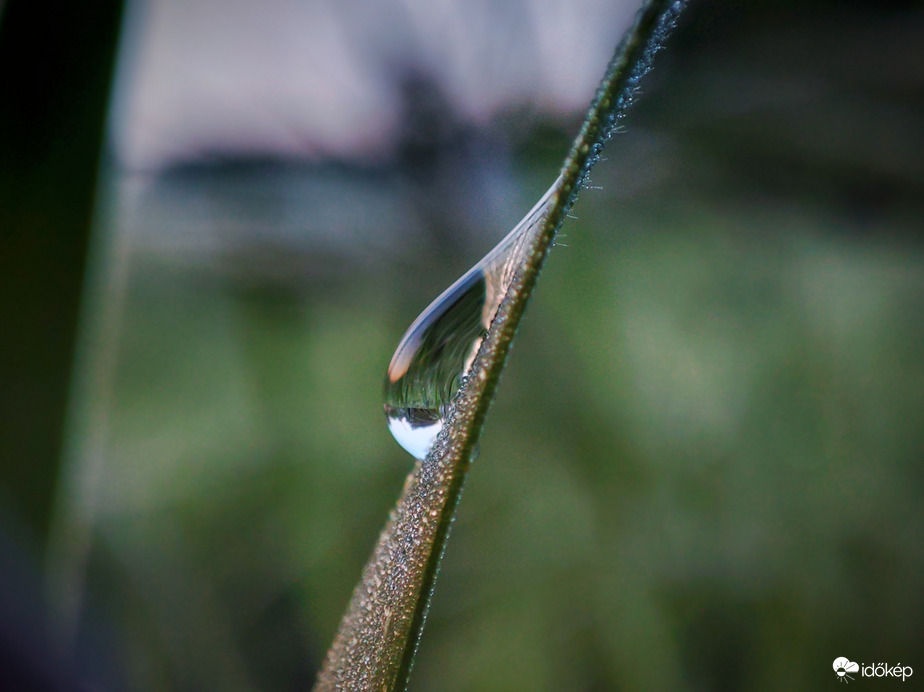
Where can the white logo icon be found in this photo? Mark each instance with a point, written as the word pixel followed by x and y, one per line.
pixel 842 666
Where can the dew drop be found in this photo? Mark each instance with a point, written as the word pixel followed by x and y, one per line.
pixel 439 348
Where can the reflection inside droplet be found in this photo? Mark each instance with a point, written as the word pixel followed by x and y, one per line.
pixel 438 349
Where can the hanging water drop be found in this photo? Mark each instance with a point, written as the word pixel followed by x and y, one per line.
pixel 439 348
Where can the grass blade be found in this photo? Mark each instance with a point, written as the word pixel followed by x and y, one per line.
pixel 378 637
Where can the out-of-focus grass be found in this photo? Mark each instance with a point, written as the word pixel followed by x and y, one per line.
pixel 711 420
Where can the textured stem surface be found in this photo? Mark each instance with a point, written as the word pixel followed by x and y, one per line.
pixel 379 634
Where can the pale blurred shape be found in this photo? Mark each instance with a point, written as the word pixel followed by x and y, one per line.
pixel 320 79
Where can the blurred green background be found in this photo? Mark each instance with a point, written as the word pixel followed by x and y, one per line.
pixel 703 467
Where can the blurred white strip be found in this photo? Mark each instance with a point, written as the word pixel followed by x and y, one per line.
pixel 304 79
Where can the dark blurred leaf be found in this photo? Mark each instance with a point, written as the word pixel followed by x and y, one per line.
pixel 56 61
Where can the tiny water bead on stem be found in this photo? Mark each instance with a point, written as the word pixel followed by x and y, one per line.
pixel 438 349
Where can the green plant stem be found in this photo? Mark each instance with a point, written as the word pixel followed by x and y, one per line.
pixel 375 646
pixel 56 65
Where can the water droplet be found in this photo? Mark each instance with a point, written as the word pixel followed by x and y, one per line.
pixel 438 349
